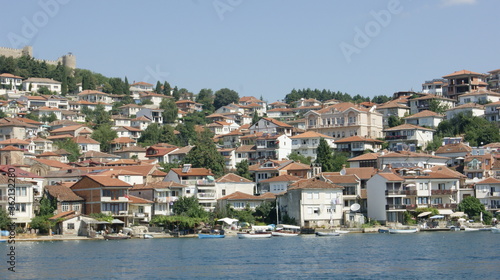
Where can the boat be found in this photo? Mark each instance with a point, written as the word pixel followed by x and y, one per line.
pixel 395 231
pixel 319 233
pixel 471 229
pixel 286 230
pixel 454 228
pixel 257 234
pixel 495 230
pixel 116 236
pixel 147 236
pixel 342 231
pixel 383 230
pixel 211 234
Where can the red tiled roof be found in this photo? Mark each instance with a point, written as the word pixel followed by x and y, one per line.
pixel 461 73
pixel 107 181
pixel 62 193
pixel 193 172
pixel 310 134
pixel 232 178
pixel 313 183
pixel 358 139
pixel 423 114
pixel 132 199
pixel 245 196
pixel 391 176
pixel 282 178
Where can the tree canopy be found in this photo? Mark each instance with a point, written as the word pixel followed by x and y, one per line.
pixel 476 130
pixel 205 154
pixel 104 135
pixel 224 97
pixel 473 207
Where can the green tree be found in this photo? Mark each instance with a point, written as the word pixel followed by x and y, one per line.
pixel 190 207
pixel 158 88
pixel 104 135
pixel 224 97
pixel 436 106
pixel 242 169
pixel 245 215
pixel 175 93
pixel 255 117
pixel 187 134
pixel 393 121
pixel 435 143
pixel 71 147
pixel 48 118
pixel 325 156
pixel 206 97
pixel 151 135
pixel 299 158
pixel 170 110
pixel 339 161
pixel 473 208
pixel 166 88
pixel 266 212
pixel 205 154
pixel 5 220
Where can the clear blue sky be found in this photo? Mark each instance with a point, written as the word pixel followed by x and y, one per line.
pixel 263 47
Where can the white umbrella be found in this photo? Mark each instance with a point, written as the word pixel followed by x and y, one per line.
pixel 227 220
pixel 437 217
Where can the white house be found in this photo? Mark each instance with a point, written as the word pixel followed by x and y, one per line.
pixel 472 108
pixel 312 203
pixel 408 134
pixel 34 84
pixel 307 143
pixel 231 183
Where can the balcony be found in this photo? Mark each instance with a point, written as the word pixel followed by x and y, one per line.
pixel 445 206
pixel 4 198
pixel 495 194
pixel 114 199
pixel 395 207
pixel 167 199
pixel 400 192
pixel 116 213
pixel 396 137
pixel 140 215
pixel 209 195
pixel 443 192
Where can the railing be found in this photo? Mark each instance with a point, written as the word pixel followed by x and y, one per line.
pixel 396 137
pixel 400 192
pixel 206 195
pixel 495 194
pixel 442 192
pixel 4 198
pixel 166 199
pixel 140 215
pixel 445 205
pixel 395 207
pixel 108 198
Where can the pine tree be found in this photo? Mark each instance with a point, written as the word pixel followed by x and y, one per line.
pixel 158 87
pixel 325 156
pixel 205 154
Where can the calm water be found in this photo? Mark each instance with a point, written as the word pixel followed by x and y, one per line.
pixel 439 255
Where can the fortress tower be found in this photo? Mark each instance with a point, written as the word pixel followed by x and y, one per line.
pixel 68 60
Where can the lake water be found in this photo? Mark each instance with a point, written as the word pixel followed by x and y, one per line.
pixel 438 255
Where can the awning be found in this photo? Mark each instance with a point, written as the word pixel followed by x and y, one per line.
pixel 437 217
pixel 423 214
pixel 116 221
pixel 458 214
pixel 445 211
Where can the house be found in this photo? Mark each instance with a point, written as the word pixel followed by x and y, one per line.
pixel 312 203
pixel 128 131
pixel 272 146
pixel 104 194
pixel 491 112
pixel 357 145
pixel 85 143
pixel 455 151
pixel 189 106
pixel 160 153
pixel 72 130
pixel 220 127
pixel 462 81
pixel 240 201
pixel 437 87
pixel 95 96
pixel 494 80
pixel 481 96
pixel 45 112
pixel 22 211
pixel 130 110
pixel 276 184
pixel 410 135
pixel 467 108
pixel 231 183
pixel 163 194
pixel 401 159
pixel 345 119
pixel 38 145
pixel 140 123
pixel 41 166
pixel 179 154
pixel 14 128
pixel 74 224
pixel 122 142
pixel 273 168
pixel 307 143
pixel 392 192
pixel 271 127
pixel 351 183
pixel 229 158
pixel 425 118
pixel 199 181
pixel 488 192
pixel 154 98
pixel 140 210
pixel 34 84
pixel 364 160
pixel 282 114
pixel 424 102
pixel 246 152
pixel 154 115
pixel 254 105
pixel 397 108
pixel 10 82
pixel 66 199
pixel 478 167
pixel 97 156
pixel 141 86
pixel 119 121
pixel 131 153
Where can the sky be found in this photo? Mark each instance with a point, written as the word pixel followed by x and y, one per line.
pixel 263 47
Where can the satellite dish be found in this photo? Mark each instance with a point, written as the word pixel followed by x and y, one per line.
pixel 342 172
pixel 420 164
pixel 355 207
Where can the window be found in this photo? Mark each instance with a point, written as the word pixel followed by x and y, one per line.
pixel 423 200
pixel 65 207
pixel 407 201
pixel 437 200
pixel 71 226
pixel 76 207
pixel 20 191
pixel 223 192
pixel 21 207
pixel 316 195
pixel 309 195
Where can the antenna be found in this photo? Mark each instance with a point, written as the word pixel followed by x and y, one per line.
pixel 355 207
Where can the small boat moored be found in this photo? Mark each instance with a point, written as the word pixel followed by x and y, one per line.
pixel 396 231
pixel 383 230
pixel 116 236
pixel 495 230
pixel 252 235
pixel 212 234
pixel 286 230
pixel 319 233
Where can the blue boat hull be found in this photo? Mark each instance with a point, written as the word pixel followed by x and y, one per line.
pixel 202 236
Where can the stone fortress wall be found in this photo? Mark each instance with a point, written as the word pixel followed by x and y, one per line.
pixel 68 60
